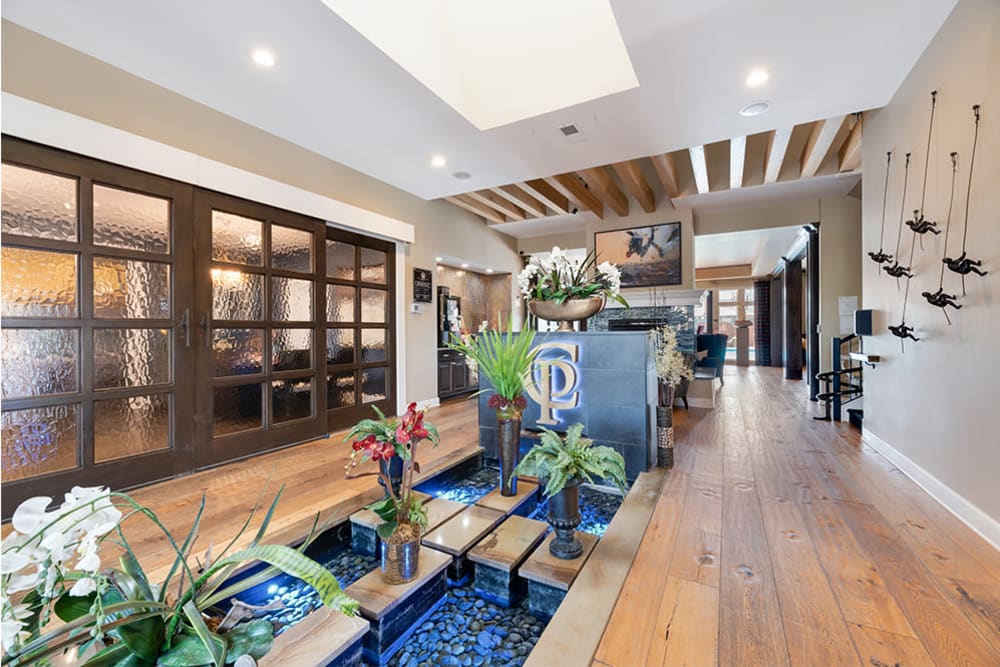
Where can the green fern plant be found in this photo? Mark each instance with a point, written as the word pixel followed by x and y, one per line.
pixel 559 460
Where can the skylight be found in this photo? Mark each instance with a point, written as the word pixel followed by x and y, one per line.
pixel 497 63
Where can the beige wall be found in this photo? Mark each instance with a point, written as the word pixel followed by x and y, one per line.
pixel 937 403
pixel 839 267
pixel 68 80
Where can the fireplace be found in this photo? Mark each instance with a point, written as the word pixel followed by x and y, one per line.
pixel 635 324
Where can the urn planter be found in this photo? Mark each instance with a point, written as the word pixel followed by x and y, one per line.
pixel 567 312
pixel 564 517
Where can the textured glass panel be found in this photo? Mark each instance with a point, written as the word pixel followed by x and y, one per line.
pixel 37 204
pixel 340 346
pixel 340 303
pixel 291 299
pixel 373 303
pixel 340 260
pixel 291 399
pixel 238 408
pixel 39 362
pixel 39 440
pixel 238 351
pixel 340 390
pixel 372 345
pixel 37 283
pixel 237 295
pixel 131 357
pixel 129 288
pixel 291 349
pixel 129 426
pixel 291 249
pixel 124 219
pixel 372 385
pixel 236 239
pixel 372 265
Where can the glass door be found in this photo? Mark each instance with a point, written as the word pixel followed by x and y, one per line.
pixel 260 328
pixel 96 310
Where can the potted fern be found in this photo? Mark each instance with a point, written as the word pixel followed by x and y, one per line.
pixel 563 463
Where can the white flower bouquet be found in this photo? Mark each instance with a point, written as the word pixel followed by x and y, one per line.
pixel 561 279
pixel 671 367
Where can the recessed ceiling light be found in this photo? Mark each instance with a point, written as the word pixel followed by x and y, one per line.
pixel 438 161
pixel 462 175
pixel 465 266
pixel 757 77
pixel 755 109
pixel 489 270
pixel 438 259
pixel 263 57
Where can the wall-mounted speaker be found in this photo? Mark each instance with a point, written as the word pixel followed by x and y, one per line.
pixel 863 322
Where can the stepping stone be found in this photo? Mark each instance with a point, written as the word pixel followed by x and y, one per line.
pixel 440 511
pixel 396 611
pixel 522 503
pixel 459 534
pixel 324 637
pixel 364 539
pixel 549 577
pixel 498 556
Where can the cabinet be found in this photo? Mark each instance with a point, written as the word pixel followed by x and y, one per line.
pixel 453 374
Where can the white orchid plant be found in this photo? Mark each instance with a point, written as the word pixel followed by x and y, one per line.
pixel 50 563
pixel 560 278
pixel 671 366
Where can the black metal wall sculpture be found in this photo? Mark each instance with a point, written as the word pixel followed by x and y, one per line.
pixel 920 224
pixel 881 257
pixel 962 265
pixel 939 298
pixel 902 331
pixel 897 270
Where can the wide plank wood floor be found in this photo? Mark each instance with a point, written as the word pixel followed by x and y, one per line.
pixel 780 540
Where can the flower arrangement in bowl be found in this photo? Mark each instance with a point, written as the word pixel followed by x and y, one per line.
pixel 404 517
pixel 672 368
pixel 505 358
pixel 563 463
pixel 564 290
pixel 51 566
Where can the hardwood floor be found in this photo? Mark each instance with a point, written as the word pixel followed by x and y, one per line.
pixel 780 540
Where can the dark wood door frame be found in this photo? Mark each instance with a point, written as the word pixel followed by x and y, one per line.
pixel 812 298
pixel 792 302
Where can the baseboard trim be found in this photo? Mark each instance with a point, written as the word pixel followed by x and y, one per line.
pixel 984 525
pixel 428 403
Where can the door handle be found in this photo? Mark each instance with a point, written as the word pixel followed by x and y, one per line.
pixel 204 330
pixel 185 327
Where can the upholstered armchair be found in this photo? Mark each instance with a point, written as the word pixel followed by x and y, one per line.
pixel 715 345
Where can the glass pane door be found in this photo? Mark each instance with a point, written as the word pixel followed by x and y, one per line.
pixel 260 328
pixel 94 304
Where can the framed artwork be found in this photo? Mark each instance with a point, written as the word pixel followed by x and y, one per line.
pixel 647 256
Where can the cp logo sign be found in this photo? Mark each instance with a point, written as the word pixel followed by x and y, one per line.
pixel 554 380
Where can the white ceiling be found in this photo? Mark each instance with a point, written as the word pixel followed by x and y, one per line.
pixel 760 248
pixel 335 93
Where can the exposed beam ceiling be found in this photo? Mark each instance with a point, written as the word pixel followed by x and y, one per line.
pixel 737 155
pixel 850 152
pixel 579 191
pixel 700 168
pixel 498 204
pixel 819 143
pixel 548 194
pixel 604 186
pixel 473 206
pixel 519 197
pixel 667 173
pixel 630 173
pixel 777 145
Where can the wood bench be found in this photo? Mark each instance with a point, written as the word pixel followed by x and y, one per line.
pixel 549 577
pixel 522 503
pixel 323 638
pixel 499 554
pixel 364 539
pixel 460 533
pixel 395 612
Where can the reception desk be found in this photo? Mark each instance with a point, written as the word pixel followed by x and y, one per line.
pixel 604 380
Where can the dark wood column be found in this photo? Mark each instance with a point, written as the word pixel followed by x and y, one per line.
pixel 777 321
pixel 812 330
pixel 792 277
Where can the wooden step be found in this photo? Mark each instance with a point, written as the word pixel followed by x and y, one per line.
pixel 521 503
pixel 440 510
pixel 377 598
pixel 461 532
pixel 323 637
pixel 545 568
pixel 498 555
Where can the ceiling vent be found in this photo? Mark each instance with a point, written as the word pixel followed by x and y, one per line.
pixel 569 130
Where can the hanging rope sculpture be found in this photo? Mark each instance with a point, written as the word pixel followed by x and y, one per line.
pixel 962 265
pixel 920 224
pixel 897 270
pixel 902 331
pixel 880 257
pixel 939 298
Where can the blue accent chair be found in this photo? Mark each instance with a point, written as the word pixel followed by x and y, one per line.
pixel 715 344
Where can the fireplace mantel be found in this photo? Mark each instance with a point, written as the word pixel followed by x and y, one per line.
pixel 638 297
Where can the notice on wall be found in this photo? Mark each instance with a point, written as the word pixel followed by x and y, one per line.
pixel 848 304
pixel 422 286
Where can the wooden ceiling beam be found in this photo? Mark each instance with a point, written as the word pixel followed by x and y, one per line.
pixel 499 204
pixel 818 144
pixel 850 152
pixel 519 197
pixel 631 174
pixel 700 168
pixel 471 205
pixel 737 161
pixel 777 145
pixel 665 171
pixel 552 198
pixel 603 185
pixel 575 187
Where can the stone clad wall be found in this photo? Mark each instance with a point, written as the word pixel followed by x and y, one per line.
pixel 680 317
